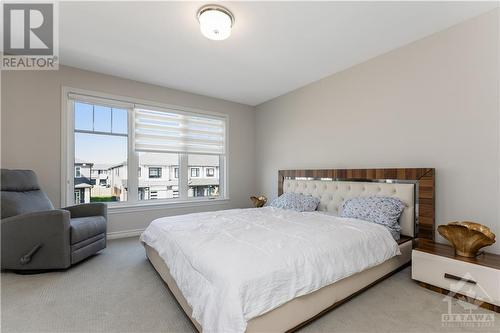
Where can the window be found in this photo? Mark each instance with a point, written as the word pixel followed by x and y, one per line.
pixel 154 172
pixel 195 172
pixel 182 153
pixel 199 141
pixel 100 138
pixel 210 172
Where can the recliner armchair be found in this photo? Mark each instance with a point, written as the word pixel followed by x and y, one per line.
pixel 35 236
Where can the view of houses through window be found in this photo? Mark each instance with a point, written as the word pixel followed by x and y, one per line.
pixel 158 180
pixel 201 181
pixel 101 157
pixel 101 139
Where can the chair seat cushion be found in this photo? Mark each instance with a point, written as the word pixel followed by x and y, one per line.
pixel 83 228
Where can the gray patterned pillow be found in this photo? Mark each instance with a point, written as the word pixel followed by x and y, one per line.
pixel 381 210
pixel 296 201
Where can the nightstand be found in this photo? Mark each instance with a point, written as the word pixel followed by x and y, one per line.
pixel 436 267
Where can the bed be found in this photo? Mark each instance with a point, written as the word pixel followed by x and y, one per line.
pixel 271 270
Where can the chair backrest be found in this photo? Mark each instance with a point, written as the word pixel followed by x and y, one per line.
pixel 21 193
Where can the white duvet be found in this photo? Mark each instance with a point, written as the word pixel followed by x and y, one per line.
pixel 234 265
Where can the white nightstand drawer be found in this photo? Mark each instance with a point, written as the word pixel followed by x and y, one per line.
pixel 472 280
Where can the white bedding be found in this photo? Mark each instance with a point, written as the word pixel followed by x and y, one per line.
pixel 234 265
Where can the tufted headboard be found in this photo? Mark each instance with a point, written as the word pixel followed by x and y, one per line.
pixel 414 186
pixel 333 193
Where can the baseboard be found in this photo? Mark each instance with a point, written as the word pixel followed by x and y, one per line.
pixel 124 233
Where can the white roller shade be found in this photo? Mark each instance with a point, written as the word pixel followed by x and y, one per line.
pixel 171 131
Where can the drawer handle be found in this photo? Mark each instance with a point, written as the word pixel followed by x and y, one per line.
pixel 457 278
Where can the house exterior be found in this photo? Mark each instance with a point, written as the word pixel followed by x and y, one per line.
pixel 100 181
pixel 203 177
pixel 117 180
pixel 158 178
pixel 99 174
pixel 82 181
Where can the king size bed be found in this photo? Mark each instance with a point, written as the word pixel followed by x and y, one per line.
pixel 274 270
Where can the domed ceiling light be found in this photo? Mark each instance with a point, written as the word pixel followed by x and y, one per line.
pixel 215 22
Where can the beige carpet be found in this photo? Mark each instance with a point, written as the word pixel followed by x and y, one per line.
pixel 118 291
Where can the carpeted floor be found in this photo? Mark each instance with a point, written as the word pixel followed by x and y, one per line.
pixel 119 291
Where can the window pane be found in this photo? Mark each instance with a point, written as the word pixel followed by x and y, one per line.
pixel 83 116
pixel 100 168
pixel 102 119
pixel 157 179
pixel 119 121
pixel 155 172
pixel 195 172
pixel 203 175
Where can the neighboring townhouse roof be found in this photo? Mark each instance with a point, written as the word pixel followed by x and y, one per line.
pixel 101 166
pixel 83 185
pixel 82 162
pixel 114 166
pixel 155 159
pixel 82 181
pixel 204 160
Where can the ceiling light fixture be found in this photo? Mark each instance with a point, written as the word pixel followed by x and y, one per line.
pixel 215 22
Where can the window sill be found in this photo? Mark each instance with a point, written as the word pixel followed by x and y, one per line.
pixel 162 204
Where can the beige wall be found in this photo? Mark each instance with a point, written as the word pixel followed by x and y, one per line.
pixel 433 103
pixel 31 131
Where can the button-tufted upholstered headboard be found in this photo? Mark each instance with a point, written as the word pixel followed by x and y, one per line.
pixel 423 180
pixel 333 193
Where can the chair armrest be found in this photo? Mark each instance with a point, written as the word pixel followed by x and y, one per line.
pixel 89 209
pixel 38 240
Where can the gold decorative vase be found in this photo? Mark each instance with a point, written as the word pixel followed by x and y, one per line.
pixel 467 237
pixel 259 201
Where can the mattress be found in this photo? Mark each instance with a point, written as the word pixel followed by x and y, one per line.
pixel 236 265
pixel 301 310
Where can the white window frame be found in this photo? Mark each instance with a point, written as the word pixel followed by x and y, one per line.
pixel 129 103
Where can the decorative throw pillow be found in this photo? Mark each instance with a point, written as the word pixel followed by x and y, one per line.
pixel 381 210
pixel 296 201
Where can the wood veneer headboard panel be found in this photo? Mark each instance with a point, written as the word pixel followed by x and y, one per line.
pixel 424 178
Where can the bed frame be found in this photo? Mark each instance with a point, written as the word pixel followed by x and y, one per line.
pixel 415 187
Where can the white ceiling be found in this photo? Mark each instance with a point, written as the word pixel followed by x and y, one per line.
pixel 275 47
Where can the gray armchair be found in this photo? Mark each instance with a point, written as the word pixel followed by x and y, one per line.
pixel 35 236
